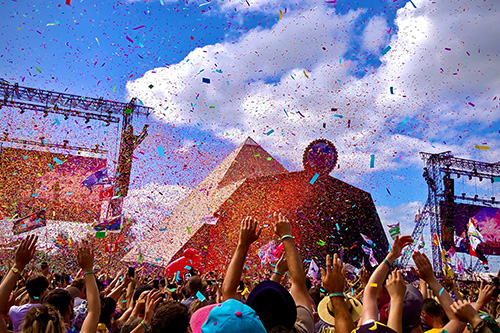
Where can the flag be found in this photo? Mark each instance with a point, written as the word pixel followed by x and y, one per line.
pixel 394 230
pixel 106 192
pixel 435 240
pixel 112 225
pixel 460 266
pixel 373 261
pixel 111 247
pixel 100 176
pixel 460 243
pixel 475 237
pixel 313 269
pixel 29 222
pixel 367 240
pixel 422 243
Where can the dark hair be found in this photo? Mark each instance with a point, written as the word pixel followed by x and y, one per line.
pixel 140 290
pixel 60 299
pixel 36 285
pixel 172 317
pixel 432 308
pixel 44 265
pixel 195 284
pixel 108 307
pixel 130 325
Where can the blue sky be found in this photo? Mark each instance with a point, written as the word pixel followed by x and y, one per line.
pixel 434 90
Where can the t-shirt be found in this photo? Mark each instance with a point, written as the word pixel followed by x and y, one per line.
pixel 305 320
pixel 17 314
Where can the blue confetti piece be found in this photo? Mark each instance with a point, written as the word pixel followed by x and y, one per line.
pixel 314 178
pixel 496 179
pixel 160 151
pixel 50 166
pixel 270 132
pixel 404 121
pixel 392 91
pixel 372 162
pixel 205 80
pixel 384 51
pixel 58 161
pixel 338 116
pixel 187 267
pixel 34 195
pixel 200 296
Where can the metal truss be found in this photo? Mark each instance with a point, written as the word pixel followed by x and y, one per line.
pixel 437 167
pixel 47 102
pixel 65 145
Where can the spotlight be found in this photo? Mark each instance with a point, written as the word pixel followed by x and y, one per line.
pixel 87 120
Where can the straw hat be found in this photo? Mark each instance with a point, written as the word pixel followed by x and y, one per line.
pixel 326 314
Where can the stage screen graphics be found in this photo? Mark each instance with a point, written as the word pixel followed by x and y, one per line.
pixel 488 223
pixel 33 180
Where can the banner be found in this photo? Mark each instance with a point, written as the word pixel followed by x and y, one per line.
pixel 28 223
pixel 112 225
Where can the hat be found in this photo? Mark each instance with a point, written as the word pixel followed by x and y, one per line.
pixel 325 310
pixel 374 327
pixel 273 304
pixel 412 308
pixel 230 316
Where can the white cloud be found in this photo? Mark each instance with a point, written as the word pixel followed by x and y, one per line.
pixel 289 77
pixel 375 34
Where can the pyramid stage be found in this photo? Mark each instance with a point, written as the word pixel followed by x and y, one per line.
pixel 327 214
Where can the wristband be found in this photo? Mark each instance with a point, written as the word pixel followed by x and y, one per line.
pixel 286 236
pixel 88 272
pixel 387 263
pixel 441 291
pixel 15 271
pixel 336 295
pixel 144 326
pixel 276 272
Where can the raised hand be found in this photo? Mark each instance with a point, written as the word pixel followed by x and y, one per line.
pixel 25 251
pixel 152 300
pixel 334 277
pixel 248 231
pixel 364 276
pixel 485 295
pixel 465 312
pixel 396 286
pixel 85 256
pixel 281 225
pixel 424 267
pixel 400 243
pixel 282 265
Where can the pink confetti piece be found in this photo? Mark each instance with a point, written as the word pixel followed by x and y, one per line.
pixel 447 49
pixel 139 27
pixel 129 39
pixel 347 64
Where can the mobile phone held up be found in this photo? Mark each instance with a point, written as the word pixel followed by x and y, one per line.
pixel 131 272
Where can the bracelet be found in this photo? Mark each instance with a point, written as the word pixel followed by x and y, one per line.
pixel 286 236
pixel 144 326
pixel 15 271
pixel 276 272
pixel 336 295
pixel 441 291
pixel 388 264
pixel 88 272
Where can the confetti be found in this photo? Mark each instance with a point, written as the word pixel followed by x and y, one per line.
pixel 205 80
pixel 372 161
pixel 281 14
pixel 129 39
pixel 160 151
pixel 320 243
pixel 374 285
pixel 392 91
pixel 200 296
pixel 404 121
pixel 314 178
pixel 384 51
pixel 348 63
pixel 482 147
pixel 38 69
pixel 139 27
pixel 58 161
pixel 270 132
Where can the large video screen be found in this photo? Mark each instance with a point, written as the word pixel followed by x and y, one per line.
pixel 31 181
pixel 488 223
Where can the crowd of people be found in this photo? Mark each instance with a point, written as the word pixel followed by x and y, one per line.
pixel 287 300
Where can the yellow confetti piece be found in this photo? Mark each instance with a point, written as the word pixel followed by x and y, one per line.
pixel 281 14
pixel 374 285
pixel 305 74
pixel 244 291
pixel 482 147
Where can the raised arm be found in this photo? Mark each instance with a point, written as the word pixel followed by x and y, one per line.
pixel 248 235
pixel 426 273
pixel 334 282
pixel 85 257
pixel 370 309
pixel 24 254
pixel 298 290
pixel 396 288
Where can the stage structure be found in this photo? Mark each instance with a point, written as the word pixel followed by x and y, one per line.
pixel 328 215
pixel 100 109
pixel 447 214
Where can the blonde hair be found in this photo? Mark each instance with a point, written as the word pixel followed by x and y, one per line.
pixel 43 319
